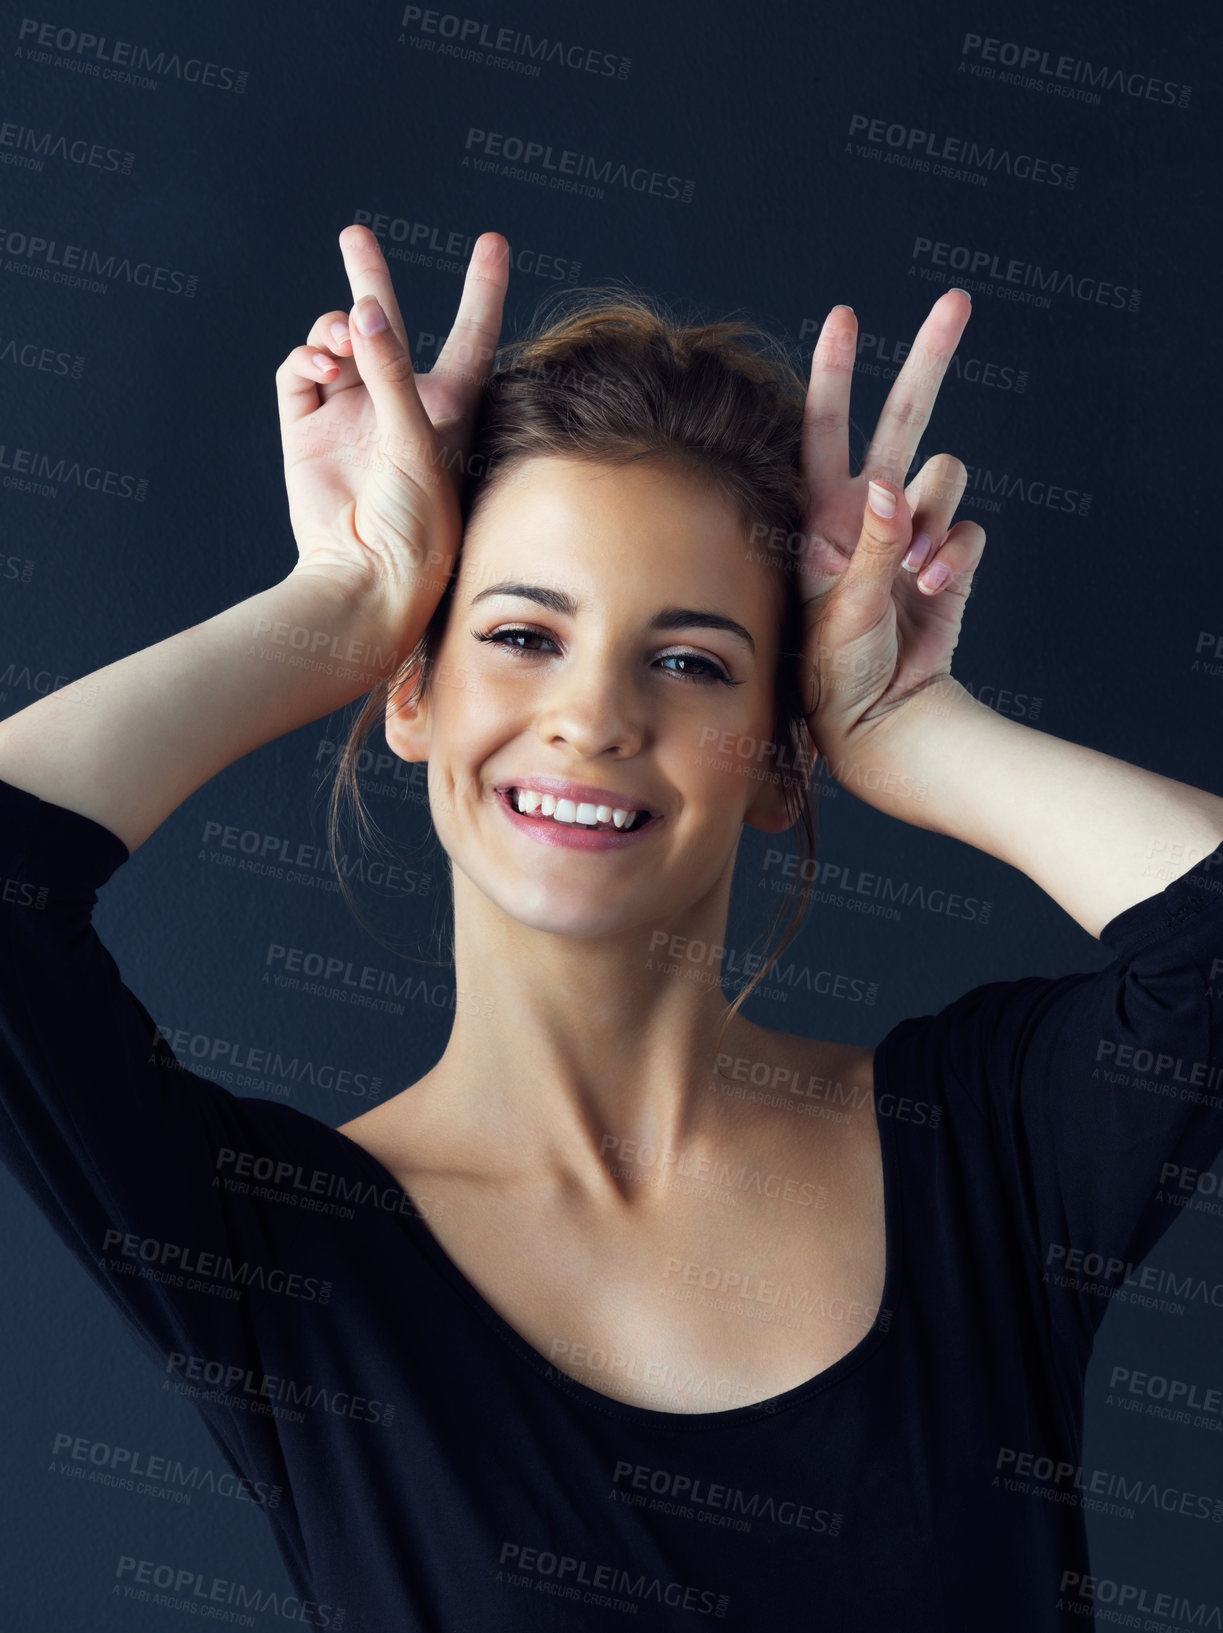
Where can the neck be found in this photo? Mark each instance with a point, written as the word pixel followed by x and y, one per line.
pixel 569 1055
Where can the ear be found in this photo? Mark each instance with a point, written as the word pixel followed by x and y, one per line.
pixel 406 727
pixel 768 810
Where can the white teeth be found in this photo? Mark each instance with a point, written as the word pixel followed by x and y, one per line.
pixel 586 815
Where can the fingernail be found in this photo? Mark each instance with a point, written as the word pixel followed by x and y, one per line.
pixel 842 308
pixel 339 333
pixel 322 361
pixel 960 291
pixel 917 553
pixel 369 317
pixel 880 500
pixel 935 576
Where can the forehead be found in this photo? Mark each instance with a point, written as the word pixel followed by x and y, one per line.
pixel 648 529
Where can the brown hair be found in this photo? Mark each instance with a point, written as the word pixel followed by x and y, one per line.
pixel 619 379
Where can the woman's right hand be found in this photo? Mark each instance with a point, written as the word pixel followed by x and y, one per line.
pixel 374 454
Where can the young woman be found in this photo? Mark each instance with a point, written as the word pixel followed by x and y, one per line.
pixel 586 1322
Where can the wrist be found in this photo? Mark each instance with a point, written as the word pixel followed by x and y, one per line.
pixel 922 760
pixel 338 616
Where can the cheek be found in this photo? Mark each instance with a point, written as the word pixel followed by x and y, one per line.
pixel 718 748
pixel 482 684
pixel 469 723
pixel 708 766
pixel 456 791
pixel 465 704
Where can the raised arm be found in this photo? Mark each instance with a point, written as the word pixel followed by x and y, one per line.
pixel 886 579
pixel 377 535
pixel 1094 832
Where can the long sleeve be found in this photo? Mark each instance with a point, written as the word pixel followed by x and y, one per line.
pixel 121 1148
pixel 1098 1097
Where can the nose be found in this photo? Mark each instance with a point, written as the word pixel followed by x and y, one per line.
pixel 592 706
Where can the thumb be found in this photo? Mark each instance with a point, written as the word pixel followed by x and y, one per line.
pixel 887 526
pixel 405 432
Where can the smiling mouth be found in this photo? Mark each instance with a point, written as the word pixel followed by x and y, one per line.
pixel 575 813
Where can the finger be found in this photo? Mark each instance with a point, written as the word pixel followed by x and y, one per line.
pixel 825 436
pixel 864 589
pixel 933 496
pixel 368 274
pixel 405 433
pixel 906 413
pixel 466 360
pixel 331 333
pixel 950 570
pixel 330 338
pixel 298 382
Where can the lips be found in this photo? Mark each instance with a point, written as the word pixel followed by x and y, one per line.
pixel 579 794
pixel 576 813
pixel 572 835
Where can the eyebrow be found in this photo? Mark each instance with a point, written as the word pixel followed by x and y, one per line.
pixel 666 618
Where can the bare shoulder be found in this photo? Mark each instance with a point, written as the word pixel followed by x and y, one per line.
pixel 381 1127
pixel 782 1086
pixel 790 1067
pixel 807 1107
pixel 356 1127
pixel 799 1093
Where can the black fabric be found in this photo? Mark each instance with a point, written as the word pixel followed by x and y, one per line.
pixel 440 1474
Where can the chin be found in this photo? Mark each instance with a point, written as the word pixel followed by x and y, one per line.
pixel 546 910
pixel 559 910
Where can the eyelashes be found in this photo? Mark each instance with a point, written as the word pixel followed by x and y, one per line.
pixel 713 672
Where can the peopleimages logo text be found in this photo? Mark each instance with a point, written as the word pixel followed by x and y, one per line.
pixel 75 263
pixel 474 37
pixel 992 269
pixel 962 150
pixel 568 162
pixel 1034 59
pixel 91 51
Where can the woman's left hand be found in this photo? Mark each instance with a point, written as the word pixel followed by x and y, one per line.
pixel 877 632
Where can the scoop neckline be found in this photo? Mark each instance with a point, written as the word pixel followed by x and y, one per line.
pixel 880 1329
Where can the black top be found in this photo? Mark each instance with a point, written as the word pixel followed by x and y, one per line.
pixel 439 1473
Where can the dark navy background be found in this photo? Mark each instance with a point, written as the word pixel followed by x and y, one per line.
pixel 1097 616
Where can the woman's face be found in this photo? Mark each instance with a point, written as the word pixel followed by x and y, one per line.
pixel 599 617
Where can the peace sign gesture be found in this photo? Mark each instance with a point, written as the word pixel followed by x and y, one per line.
pixel 883 595
pixel 374 453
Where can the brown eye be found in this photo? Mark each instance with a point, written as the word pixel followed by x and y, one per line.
pixel 505 637
pixel 708 671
